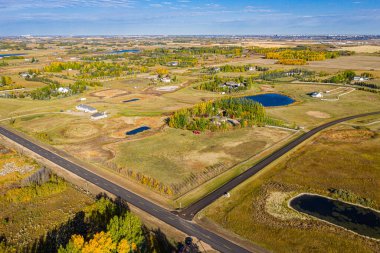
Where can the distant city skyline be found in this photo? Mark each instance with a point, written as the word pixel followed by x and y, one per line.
pixel 188 17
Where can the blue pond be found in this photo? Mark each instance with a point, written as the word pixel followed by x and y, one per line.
pixel 137 130
pixel 9 55
pixel 131 100
pixel 272 99
pixel 359 219
pixel 125 51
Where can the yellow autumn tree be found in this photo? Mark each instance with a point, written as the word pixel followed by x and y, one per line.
pixel 101 243
pixel 124 246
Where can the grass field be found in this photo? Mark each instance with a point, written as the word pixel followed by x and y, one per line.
pixel 181 153
pixel 344 157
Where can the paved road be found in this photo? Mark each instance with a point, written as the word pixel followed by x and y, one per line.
pixel 193 209
pixel 215 241
pixel 164 215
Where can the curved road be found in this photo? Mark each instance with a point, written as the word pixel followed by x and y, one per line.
pixel 193 209
pixel 214 240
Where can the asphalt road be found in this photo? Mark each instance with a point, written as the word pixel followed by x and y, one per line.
pixel 188 227
pixel 178 221
pixel 193 209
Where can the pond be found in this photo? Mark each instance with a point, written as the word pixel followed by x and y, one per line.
pixel 272 99
pixel 131 100
pixel 125 51
pixel 363 221
pixel 9 55
pixel 137 130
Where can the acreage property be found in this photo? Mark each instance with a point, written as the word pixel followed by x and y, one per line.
pixel 169 121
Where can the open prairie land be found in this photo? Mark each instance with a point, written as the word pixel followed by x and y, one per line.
pixel 344 158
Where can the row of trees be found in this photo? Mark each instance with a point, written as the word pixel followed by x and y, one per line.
pixel 299 56
pixel 96 69
pixel 214 115
pixel 296 73
pixel 151 182
pixel 343 77
pixel 235 68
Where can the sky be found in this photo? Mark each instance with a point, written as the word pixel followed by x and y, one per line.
pixel 189 17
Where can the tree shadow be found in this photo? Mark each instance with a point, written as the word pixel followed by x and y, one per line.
pixel 90 223
pixel 81 224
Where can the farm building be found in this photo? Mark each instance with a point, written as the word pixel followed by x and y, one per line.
pixel 86 108
pixel 316 95
pixel 99 115
pixel 173 63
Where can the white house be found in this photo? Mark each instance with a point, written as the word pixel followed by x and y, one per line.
pixel 99 115
pixel 231 84
pixel 86 108
pixel 63 90
pixel 316 95
pixel 251 68
pixel 26 75
pixel 360 78
pixel 166 79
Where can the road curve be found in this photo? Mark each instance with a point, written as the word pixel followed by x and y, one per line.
pixel 193 209
pixel 189 228
pixel 177 221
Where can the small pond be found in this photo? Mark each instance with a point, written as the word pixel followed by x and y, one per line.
pixel 9 55
pixel 131 100
pixel 363 221
pixel 272 99
pixel 125 51
pixel 137 130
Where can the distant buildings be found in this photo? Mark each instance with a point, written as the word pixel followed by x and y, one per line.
pixel 63 90
pixel 360 78
pixel 173 63
pixel 86 108
pixel 99 115
pixel 231 84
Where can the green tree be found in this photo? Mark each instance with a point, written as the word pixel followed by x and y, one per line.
pixel 128 227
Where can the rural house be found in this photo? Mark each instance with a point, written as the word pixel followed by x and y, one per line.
pixel 86 108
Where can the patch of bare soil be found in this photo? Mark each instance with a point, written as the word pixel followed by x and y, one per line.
pixel 90 151
pixel 266 88
pixel 348 135
pixel 318 114
pixel 111 93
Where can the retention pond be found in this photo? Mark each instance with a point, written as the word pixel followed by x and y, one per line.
pixel 361 220
pixel 137 130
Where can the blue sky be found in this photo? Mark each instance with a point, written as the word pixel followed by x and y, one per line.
pixel 188 17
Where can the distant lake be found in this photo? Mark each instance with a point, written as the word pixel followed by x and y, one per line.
pixel 9 55
pixel 272 99
pixel 125 51
pixel 137 130
pixel 358 219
